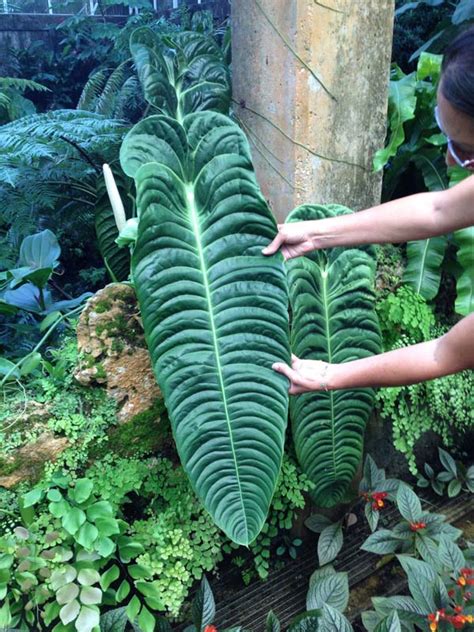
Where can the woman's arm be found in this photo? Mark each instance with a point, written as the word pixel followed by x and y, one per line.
pixel 451 353
pixel 415 217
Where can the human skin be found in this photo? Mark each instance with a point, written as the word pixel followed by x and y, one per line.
pixel 415 217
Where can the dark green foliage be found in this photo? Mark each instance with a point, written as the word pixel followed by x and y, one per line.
pixel 333 319
pixel 413 28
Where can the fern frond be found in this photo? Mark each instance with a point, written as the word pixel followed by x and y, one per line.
pixel 91 91
pixel 108 98
pixel 130 98
pixel 22 84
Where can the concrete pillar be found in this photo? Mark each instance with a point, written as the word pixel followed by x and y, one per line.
pixel 310 89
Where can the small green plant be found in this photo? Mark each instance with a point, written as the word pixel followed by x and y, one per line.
pixel 59 566
pixel 374 490
pixel 404 313
pixel 454 475
pixel 442 406
pixel 418 533
pixel 27 289
pixel 440 596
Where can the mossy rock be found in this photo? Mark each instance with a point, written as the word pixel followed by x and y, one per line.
pixel 147 433
pixel 113 351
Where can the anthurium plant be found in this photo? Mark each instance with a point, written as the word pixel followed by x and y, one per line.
pixel 215 310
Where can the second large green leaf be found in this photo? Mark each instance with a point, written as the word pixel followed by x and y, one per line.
pixel 215 310
pixel 331 296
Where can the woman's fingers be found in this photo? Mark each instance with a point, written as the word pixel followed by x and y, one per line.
pixel 274 246
pixel 297 383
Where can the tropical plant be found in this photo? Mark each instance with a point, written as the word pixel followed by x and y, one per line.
pixel 418 533
pixel 180 172
pixel 49 166
pixel 455 475
pixel 439 598
pixel 26 288
pixel 333 319
pixel 461 15
pixel 374 490
pixel 182 73
pixel 13 105
pixel 328 593
pixel 415 142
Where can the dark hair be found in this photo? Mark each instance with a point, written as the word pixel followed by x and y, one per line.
pixel 457 72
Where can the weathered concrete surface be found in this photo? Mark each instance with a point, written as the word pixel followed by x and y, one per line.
pixel 310 88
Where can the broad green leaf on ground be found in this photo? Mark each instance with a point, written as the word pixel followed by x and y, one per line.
pixel 406 607
pixel 450 555
pixel 215 310
pixel 307 622
pixel 333 621
pixel 332 589
pixel 401 108
pixel 382 542
pixel 330 543
pixel 332 301
pixel 390 623
pixel 421 582
pixel 114 620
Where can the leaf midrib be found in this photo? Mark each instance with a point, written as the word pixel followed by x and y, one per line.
pixel 191 205
pixel 324 275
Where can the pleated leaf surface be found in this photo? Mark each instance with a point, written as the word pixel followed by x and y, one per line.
pixel 333 319
pixel 181 73
pixel 215 310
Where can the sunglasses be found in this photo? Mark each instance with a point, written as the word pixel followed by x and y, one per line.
pixel 466 163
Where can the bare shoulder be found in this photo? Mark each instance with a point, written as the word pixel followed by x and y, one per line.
pixel 456 205
pixel 457 346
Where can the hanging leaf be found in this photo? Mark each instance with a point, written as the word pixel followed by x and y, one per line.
pixel 401 108
pixel 465 284
pixel 215 310
pixel 332 301
pixel 423 271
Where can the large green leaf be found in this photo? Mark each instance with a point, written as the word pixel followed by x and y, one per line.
pixel 423 271
pixel 425 257
pixel 215 310
pixel 182 73
pixel 334 320
pixel 401 108
pixel 465 284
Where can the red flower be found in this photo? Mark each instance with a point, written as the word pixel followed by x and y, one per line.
pixel 416 526
pixel 210 628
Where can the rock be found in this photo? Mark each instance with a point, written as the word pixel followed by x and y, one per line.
pixel 27 462
pixel 113 351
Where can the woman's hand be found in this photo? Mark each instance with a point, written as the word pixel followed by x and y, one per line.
pixel 294 239
pixel 305 375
